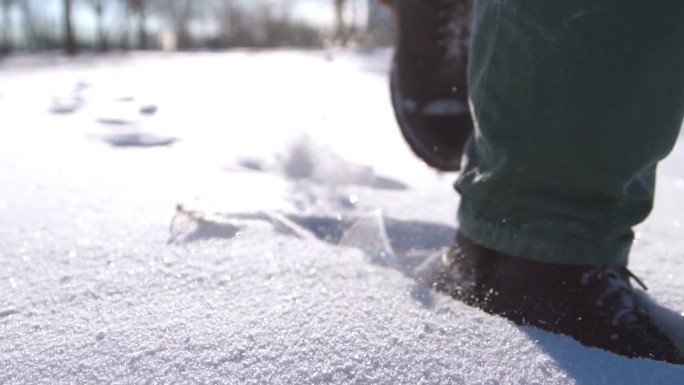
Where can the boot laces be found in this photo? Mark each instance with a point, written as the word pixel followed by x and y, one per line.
pixel 616 293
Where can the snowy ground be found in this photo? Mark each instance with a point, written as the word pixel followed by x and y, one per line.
pixel 232 218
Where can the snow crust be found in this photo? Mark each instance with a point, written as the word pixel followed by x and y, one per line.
pixel 253 218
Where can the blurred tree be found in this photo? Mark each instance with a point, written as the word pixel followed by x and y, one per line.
pixel 140 9
pixel 179 14
pixel 379 22
pixel 70 45
pixel 262 23
pixel 99 8
pixel 6 44
pixel 29 25
pixel 340 27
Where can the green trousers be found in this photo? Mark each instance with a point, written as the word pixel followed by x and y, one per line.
pixel 575 102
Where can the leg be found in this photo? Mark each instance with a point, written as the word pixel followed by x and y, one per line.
pixel 574 104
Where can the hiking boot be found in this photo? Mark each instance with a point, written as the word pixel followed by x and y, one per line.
pixel 428 78
pixel 596 305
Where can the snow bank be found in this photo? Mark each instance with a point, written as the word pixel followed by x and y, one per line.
pixel 247 252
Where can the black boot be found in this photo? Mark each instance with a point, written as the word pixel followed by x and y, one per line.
pixel 596 305
pixel 428 79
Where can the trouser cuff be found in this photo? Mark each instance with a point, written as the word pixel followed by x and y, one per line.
pixel 546 240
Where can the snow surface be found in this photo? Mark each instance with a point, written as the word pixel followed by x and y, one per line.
pixel 252 218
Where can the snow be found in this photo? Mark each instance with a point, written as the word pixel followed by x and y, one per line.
pixel 251 218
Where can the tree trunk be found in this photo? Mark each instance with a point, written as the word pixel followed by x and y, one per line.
pixel 70 46
pixel 354 16
pixel 340 28
pixel 142 29
pixel 6 44
pixel 183 36
pixel 27 24
pixel 101 34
